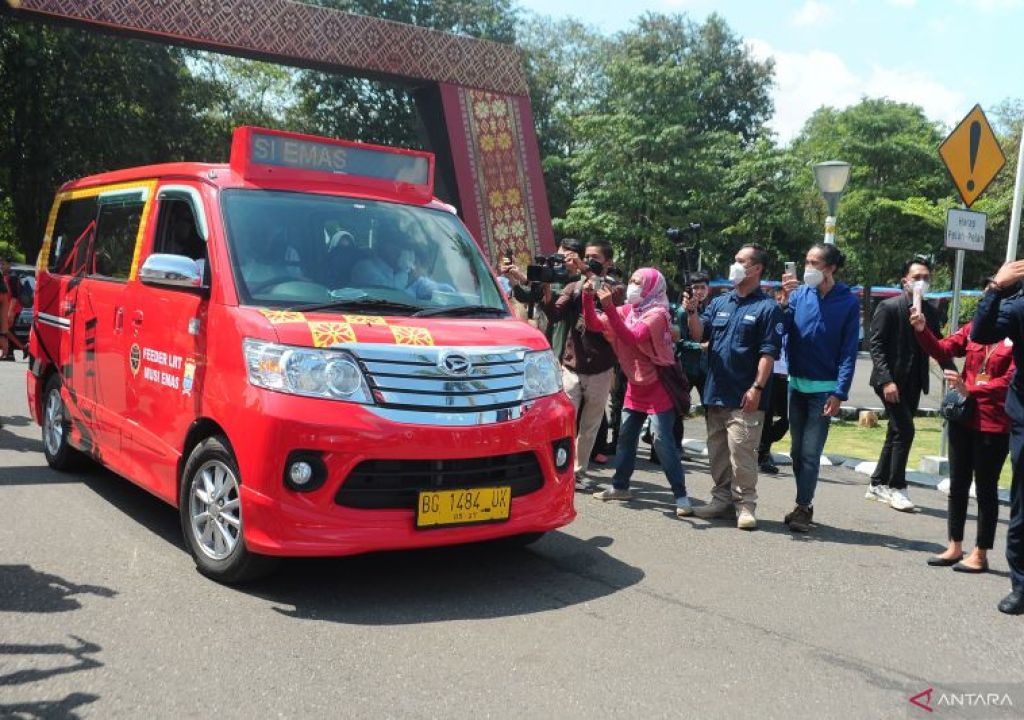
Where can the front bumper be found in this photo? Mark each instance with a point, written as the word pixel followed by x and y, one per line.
pixel 280 521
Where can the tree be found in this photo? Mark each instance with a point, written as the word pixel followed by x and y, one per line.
pixel 382 111
pixel 897 185
pixel 74 103
pixel 893 150
pixel 658 148
pixel 566 70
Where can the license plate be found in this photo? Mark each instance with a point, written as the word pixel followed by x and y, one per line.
pixel 440 508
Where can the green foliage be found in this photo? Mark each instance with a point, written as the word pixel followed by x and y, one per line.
pixel 74 103
pixel 682 105
pixel 896 187
pixel 661 125
pixel 380 111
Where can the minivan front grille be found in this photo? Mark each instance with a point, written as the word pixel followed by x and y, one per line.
pixel 395 484
pixel 440 379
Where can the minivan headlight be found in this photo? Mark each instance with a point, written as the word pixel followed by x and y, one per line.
pixel 331 374
pixel 541 375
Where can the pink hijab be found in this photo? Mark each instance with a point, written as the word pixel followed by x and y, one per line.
pixel 653 302
pixel 653 296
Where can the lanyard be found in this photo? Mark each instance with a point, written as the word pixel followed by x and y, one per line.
pixel 984 363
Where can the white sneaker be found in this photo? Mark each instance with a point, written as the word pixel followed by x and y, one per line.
pixel 878 492
pixel 746 520
pixel 898 500
pixel 613 494
pixel 683 507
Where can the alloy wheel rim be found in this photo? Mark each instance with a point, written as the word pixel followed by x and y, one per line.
pixel 215 512
pixel 53 435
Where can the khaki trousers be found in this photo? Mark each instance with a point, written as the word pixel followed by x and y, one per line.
pixel 733 437
pixel 590 391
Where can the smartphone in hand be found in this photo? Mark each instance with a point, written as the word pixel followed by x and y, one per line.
pixel 791 268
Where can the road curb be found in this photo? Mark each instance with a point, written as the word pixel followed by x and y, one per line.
pixel 692 447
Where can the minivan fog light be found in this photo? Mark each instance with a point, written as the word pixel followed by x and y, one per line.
pixel 562 453
pixel 300 473
pixel 304 471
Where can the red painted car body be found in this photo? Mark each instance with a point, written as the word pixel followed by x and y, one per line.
pixel 149 370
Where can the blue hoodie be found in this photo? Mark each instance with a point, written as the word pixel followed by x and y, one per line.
pixel 822 336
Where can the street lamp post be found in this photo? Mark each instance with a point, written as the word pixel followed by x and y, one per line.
pixel 831 178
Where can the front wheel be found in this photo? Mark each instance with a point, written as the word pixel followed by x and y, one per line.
pixel 210 506
pixel 57 429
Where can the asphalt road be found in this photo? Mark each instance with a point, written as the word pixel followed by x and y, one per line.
pixel 627 613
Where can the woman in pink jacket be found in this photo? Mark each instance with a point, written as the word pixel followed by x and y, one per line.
pixel 640 333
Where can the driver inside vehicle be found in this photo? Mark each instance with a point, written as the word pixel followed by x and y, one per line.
pixel 269 256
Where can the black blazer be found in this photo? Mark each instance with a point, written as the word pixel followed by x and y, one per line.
pixel 894 349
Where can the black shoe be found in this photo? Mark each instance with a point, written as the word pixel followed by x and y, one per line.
pixel 960 567
pixel 800 519
pixel 1012 604
pixel 937 561
pixel 8 358
pixel 767 466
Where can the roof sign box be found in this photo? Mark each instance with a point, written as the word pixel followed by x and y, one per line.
pixel 260 154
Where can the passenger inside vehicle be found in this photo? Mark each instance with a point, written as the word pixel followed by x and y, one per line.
pixel 393 263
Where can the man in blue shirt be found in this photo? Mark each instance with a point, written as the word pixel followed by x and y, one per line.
pixel 744 332
pixel 822 319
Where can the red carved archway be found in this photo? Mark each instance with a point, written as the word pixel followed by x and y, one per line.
pixel 479 86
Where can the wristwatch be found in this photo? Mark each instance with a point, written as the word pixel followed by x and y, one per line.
pixel 757 387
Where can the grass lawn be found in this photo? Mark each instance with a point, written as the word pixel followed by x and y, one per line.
pixel 846 438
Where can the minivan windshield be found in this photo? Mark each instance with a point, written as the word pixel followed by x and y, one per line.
pixel 306 251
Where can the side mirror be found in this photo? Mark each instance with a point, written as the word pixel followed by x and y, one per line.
pixel 175 271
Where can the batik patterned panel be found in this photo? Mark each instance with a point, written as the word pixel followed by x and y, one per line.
pixel 307 35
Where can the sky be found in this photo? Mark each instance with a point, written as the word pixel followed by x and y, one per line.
pixel 944 55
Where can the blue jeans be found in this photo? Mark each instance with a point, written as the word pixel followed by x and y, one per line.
pixel 808 429
pixel 664 445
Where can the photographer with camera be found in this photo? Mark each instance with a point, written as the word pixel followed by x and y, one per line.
pixel 641 335
pixel 541 285
pixel 588 360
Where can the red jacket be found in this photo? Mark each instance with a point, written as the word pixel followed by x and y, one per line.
pixel 990 396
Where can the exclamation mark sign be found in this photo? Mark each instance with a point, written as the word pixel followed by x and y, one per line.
pixel 975 140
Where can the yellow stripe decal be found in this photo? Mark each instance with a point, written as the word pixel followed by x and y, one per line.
pixel 411 335
pixel 326 334
pixel 280 317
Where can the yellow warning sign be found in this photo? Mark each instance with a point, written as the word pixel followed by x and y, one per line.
pixel 972 155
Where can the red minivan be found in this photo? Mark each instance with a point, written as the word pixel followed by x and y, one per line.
pixel 303 350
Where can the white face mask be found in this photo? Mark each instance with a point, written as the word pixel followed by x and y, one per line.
pixel 813 277
pixel 633 295
pixel 737 273
pixel 920 285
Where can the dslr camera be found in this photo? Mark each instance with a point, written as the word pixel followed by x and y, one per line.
pixel 679 236
pixel 548 269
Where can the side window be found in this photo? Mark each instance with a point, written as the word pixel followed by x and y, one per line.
pixel 74 218
pixel 177 233
pixel 117 229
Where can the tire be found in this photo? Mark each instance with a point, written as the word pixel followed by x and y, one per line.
pixel 57 430
pixel 211 516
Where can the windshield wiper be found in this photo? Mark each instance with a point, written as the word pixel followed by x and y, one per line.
pixel 462 310
pixel 358 304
